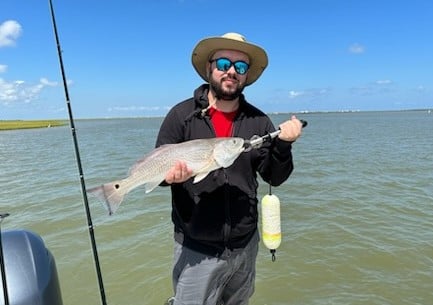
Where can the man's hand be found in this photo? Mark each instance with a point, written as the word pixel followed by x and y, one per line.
pixel 178 173
pixel 291 130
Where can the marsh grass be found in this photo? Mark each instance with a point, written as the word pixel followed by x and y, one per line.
pixel 20 124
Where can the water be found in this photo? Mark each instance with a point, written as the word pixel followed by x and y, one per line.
pixel 356 213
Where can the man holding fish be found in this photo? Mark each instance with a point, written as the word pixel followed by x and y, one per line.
pixel 215 219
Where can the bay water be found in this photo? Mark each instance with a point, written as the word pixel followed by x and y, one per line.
pixel 357 212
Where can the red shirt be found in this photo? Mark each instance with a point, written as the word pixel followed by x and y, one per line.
pixel 222 122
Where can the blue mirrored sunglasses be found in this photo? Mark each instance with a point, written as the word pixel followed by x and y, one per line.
pixel 224 64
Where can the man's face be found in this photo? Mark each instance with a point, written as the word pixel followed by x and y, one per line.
pixel 228 83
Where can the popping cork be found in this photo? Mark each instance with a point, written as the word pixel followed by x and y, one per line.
pixel 271 223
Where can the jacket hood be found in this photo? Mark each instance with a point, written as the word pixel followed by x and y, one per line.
pixel 200 96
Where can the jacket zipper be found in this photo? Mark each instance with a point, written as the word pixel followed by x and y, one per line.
pixel 227 212
pixel 227 224
pixel 227 227
pixel 228 219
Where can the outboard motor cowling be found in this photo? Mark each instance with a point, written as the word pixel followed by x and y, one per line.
pixel 30 268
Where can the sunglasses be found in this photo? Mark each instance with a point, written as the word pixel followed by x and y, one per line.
pixel 224 64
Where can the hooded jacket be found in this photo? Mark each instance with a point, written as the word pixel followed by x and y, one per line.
pixel 220 212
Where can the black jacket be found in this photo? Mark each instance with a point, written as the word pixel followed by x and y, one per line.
pixel 221 211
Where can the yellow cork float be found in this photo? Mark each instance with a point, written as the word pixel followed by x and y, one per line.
pixel 271 223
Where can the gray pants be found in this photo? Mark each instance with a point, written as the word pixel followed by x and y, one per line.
pixel 200 279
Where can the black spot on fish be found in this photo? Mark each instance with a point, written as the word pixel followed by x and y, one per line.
pixel 116 186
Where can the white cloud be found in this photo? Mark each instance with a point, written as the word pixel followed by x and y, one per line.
pixel 3 68
pixel 10 30
pixel 377 87
pixel 19 91
pixel 46 82
pixel 309 93
pixel 384 82
pixel 420 89
pixel 356 48
pixel 295 94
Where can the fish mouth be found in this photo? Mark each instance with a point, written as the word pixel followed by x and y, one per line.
pixel 247 146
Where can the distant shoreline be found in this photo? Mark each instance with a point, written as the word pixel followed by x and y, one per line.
pixel 27 124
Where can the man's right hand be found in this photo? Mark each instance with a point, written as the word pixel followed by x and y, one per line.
pixel 178 173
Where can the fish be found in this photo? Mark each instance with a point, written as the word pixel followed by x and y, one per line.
pixel 201 156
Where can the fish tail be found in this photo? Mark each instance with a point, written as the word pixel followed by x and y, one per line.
pixel 111 194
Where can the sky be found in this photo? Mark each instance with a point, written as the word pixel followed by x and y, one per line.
pixel 126 58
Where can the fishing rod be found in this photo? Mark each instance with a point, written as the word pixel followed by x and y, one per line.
pixel 257 141
pixel 2 264
pixel 77 155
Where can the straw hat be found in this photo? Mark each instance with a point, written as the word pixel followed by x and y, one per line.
pixel 229 41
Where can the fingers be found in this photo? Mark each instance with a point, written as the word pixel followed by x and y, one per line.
pixel 291 130
pixel 178 173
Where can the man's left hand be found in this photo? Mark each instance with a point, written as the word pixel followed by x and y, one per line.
pixel 291 130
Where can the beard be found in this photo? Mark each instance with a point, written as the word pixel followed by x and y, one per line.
pixel 227 94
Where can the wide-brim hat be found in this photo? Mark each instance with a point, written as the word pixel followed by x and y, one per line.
pixel 229 41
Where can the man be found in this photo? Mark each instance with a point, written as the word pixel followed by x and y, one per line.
pixel 215 220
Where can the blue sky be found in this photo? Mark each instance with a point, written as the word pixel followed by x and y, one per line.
pixel 132 58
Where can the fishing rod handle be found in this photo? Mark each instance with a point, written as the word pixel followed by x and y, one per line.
pixel 257 141
pixel 277 132
pixel 274 134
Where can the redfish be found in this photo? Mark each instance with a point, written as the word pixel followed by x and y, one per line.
pixel 201 156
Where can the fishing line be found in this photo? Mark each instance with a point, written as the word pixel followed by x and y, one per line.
pixel 270 203
pixel 78 158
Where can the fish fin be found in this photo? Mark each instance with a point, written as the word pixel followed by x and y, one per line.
pixel 111 194
pixel 200 177
pixel 151 185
